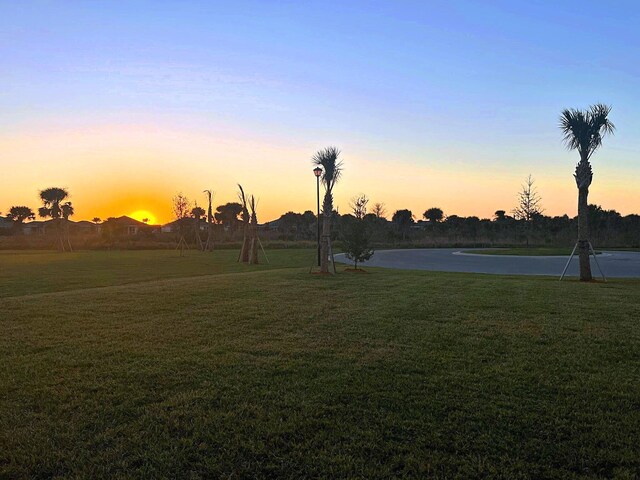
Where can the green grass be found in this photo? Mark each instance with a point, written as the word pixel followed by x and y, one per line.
pixel 28 272
pixel 532 251
pixel 248 372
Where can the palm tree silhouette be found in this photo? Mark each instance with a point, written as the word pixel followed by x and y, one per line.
pixel 331 166
pixel 583 131
pixel 53 207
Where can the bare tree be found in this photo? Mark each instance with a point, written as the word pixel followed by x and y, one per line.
pixel 529 202
pixel 181 206
pixel 359 206
pixel 379 210
pixel 529 205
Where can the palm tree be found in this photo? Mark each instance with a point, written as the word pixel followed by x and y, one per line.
pixel 583 131
pixel 20 213
pixel 244 252
pixel 52 207
pixel 331 166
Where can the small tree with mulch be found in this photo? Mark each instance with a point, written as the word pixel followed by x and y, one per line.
pixel 357 236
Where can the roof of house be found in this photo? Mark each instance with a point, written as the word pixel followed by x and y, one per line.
pixel 125 221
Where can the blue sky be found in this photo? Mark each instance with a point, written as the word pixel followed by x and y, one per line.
pixel 472 88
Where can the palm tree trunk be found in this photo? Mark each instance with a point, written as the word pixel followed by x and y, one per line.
pixel 324 242
pixel 583 234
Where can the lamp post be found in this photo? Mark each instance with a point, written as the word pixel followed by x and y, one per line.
pixel 318 172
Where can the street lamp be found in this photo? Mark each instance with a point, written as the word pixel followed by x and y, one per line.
pixel 318 173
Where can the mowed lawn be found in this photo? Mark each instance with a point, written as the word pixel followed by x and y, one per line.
pixel 197 367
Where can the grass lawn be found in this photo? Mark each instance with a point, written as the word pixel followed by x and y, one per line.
pixel 197 367
pixel 524 251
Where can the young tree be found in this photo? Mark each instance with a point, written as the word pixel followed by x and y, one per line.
pixel 434 215
pixel 53 208
pixel 528 207
pixel 583 131
pixel 357 237
pixel 96 220
pixel 403 220
pixel 181 206
pixel 331 166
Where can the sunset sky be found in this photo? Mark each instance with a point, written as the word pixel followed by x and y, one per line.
pixel 433 103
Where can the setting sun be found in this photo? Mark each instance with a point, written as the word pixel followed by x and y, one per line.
pixel 142 215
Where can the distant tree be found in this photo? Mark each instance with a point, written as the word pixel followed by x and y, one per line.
pixel 53 208
pixel 379 210
pixel 145 220
pixel 403 219
pixel 227 215
pixel 197 213
pixel 331 166
pixel 583 131
pixel 359 206
pixel 529 202
pixel 500 215
pixel 434 215
pixel 529 206
pixel 20 213
pixel 96 220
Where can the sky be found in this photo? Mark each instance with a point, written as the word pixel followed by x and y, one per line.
pixel 446 104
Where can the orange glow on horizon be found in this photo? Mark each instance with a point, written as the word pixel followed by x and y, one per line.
pixel 142 215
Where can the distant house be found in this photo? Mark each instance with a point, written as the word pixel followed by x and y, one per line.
pixel 124 225
pixel 85 226
pixel 187 223
pixel 5 223
pixel 37 227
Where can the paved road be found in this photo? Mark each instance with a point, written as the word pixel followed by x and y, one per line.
pixel 614 264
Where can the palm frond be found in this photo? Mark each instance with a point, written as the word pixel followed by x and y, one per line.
pixel 584 129
pixel 328 159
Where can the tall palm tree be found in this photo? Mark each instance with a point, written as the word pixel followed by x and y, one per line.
pixel 53 207
pixel 331 166
pixel 583 131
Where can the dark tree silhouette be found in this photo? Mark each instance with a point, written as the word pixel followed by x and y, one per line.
pixel 227 215
pixel 434 215
pixel 20 213
pixel 583 131
pixel 197 213
pixel 246 218
pixel 331 166
pixel 403 219
pixel 52 207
